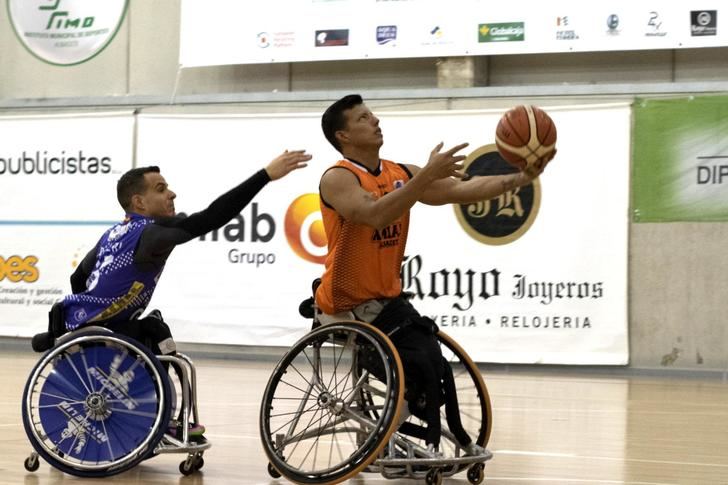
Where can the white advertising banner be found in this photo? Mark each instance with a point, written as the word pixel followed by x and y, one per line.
pixel 64 167
pixel 57 195
pixel 553 292
pixel 217 32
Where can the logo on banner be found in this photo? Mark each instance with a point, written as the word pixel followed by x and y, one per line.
pixel 66 32
pixel 436 35
pixel 505 218
pixel 712 170
pixel 263 40
pixel 18 268
pixel 277 40
pixel 304 228
pixel 613 24
pixel 256 227
pixel 332 38
pixel 387 35
pixel 654 26
pixel 703 22
pixel 503 32
pixel 563 33
pixel 462 286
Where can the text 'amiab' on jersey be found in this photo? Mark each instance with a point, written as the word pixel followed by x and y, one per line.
pixel 389 236
pixel 363 263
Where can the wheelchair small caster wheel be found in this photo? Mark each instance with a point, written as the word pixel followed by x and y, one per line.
pixel 434 477
pixel 199 463
pixel 187 467
pixel 476 473
pixel 31 463
pixel 273 472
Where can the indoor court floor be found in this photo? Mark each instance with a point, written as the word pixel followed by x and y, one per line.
pixel 550 427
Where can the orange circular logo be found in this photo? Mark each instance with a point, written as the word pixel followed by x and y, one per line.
pixel 305 228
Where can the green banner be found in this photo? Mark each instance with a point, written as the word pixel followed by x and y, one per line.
pixel 680 160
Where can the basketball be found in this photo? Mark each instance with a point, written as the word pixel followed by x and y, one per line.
pixel 524 135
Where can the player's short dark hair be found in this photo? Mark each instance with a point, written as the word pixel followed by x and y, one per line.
pixel 333 118
pixel 132 183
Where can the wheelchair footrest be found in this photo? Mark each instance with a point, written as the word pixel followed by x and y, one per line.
pixel 169 444
pixel 434 462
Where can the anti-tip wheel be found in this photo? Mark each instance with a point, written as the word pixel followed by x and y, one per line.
pixel 186 467
pixel 31 463
pixel 434 477
pixel 273 472
pixel 476 473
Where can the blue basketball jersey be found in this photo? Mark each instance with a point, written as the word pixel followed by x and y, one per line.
pixel 117 289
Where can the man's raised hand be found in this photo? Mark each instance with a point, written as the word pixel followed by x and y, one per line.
pixel 445 164
pixel 287 162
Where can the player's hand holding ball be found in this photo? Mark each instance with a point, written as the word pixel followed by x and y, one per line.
pixel 526 138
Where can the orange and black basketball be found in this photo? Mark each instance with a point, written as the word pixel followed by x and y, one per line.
pixel 525 134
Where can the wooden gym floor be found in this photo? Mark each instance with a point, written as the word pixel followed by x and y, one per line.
pixel 549 428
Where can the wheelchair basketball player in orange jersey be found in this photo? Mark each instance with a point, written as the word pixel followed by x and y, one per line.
pixel 365 203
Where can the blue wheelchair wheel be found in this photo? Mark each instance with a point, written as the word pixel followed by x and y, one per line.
pixel 96 405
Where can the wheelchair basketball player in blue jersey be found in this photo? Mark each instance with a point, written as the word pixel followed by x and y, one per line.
pixel 100 400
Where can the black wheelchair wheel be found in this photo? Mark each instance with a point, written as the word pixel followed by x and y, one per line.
pixel 96 405
pixel 314 426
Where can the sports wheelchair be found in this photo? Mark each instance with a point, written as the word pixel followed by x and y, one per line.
pixel 98 403
pixel 334 407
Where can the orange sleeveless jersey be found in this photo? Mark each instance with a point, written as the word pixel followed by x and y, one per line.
pixel 363 263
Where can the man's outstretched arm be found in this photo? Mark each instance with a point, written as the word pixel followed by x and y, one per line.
pixel 160 238
pixel 455 191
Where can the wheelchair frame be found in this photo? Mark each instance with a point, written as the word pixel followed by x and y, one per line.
pixel 417 462
pixel 159 439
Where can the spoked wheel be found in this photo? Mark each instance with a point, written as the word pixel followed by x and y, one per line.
pixel 315 426
pixel 96 405
pixel 473 402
